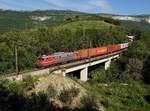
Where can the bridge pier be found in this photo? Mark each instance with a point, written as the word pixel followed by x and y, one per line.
pixel 83 68
pixel 84 74
pixel 64 73
pixel 107 64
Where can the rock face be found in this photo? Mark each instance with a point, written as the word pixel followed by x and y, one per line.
pixel 148 20
pixel 127 18
pixel 132 18
pixel 40 18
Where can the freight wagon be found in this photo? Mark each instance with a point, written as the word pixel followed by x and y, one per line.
pixel 63 57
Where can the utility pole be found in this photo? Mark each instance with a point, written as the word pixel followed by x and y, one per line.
pixel 91 44
pixel 83 31
pixel 16 54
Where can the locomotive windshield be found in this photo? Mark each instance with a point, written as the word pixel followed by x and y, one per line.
pixel 40 58
pixel 43 57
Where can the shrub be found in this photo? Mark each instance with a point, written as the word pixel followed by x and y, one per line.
pixel 67 95
pixel 134 68
pixel 29 82
pixel 99 75
pixel 11 99
pixel 146 71
pixel 40 102
pixel 51 91
pixel 89 103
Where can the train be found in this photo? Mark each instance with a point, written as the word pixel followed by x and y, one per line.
pixel 64 57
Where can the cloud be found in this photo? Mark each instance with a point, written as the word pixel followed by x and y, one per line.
pixel 65 3
pixel 58 3
pixel 103 4
pixel 78 5
pixel 68 4
pixel 82 5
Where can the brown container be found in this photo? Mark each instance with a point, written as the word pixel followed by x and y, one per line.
pixel 101 50
pixel 92 52
pixel 86 53
pixel 113 48
pixel 80 54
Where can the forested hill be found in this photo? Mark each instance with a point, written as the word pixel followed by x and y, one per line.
pixel 18 20
pixel 11 20
pixel 52 31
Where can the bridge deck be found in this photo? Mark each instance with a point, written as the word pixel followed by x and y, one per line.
pixel 65 66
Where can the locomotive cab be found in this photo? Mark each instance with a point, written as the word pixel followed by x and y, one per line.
pixel 44 61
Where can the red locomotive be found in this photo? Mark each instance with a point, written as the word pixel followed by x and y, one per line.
pixel 62 57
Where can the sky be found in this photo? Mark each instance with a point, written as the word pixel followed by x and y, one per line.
pixel 123 7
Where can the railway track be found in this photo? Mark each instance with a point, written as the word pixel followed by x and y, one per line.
pixel 51 69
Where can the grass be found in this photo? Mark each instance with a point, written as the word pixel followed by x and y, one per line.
pixel 84 24
pixel 118 97
pixel 114 96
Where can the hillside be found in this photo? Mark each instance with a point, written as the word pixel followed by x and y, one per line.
pixel 65 37
pixel 131 21
pixel 57 93
pixel 135 25
pixel 19 20
pixel 137 18
pixel 11 20
pixel 85 25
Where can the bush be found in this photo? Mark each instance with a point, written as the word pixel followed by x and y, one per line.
pixel 89 103
pixel 146 71
pixel 51 91
pixel 99 75
pixel 40 102
pixel 134 68
pixel 103 76
pixel 112 21
pixel 29 82
pixel 67 95
pixel 11 96
pixel 12 100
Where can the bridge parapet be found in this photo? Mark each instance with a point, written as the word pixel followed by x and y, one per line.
pixel 84 67
pixel 81 65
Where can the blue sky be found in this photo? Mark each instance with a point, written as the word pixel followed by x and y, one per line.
pixel 124 7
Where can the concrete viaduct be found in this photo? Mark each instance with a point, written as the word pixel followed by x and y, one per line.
pixel 84 67
pixel 81 65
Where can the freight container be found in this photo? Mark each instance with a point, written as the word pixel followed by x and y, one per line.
pixel 113 48
pixel 92 52
pixel 80 54
pixel 124 45
pixel 101 50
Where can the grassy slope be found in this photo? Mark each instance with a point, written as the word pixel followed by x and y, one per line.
pixel 113 96
pixel 121 97
pixel 60 83
pixel 85 24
